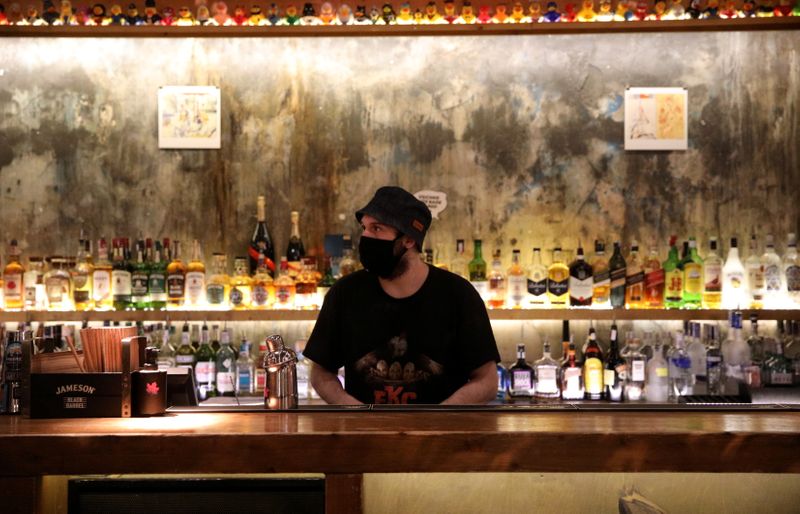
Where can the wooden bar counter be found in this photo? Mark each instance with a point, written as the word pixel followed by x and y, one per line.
pixel 344 444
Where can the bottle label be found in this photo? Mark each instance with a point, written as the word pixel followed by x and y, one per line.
pixel 736 280
pixel 558 287
pixel 593 375
pixel 102 285
pixel 609 377
pixel 13 287
pixel 654 279
pixel 636 278
pixel 693 278
pixel 521 382
pixel 80 296
pixel 602 278
pixel 184 361
pixel 546 380
pixel 637 371
pixel 713 361
pixel 139 282
pixel 237 297
pixel 618 278
pixel 261 379
pixel 215 294
pixel 157 283
pixel 713 274
pixel 260 295
pixel 793 278
pixel 674 285
pixel 772 278
pixel 755 280
pixel 225 381
pixel 195 286
pixel 662 372
pixel 121 283
pixel 57 289
pixel 517 289
pixel 175 285
pixel 572 380
pixel 537 287
pixel 306 288
pixel 79 279
pixel 779 378
pixel 581 289
pixel 482 287
pixel 205 372
pixel 302 388
pixel 245 379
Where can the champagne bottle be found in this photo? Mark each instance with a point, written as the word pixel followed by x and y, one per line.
pixel 261 241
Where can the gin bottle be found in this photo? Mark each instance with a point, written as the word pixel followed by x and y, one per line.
pixel 735 352
pixel 303 373
pixel 636 363
pixel 477 271
pixel 521 374
pixel 697 353
pixel 547 379
pixel 226 366
pixel 502 382
pixel 680 369
pixel 657 376
pixel 245 371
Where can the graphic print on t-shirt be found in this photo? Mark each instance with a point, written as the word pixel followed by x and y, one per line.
pixel 396 374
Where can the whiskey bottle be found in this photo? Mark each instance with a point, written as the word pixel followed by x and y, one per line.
pixel 558 281
pixel 547 376
pixel 306 285
pixel 261 240
pixel 572 387
pixel 33 284
pixel 517 282
pixel 618 272
pixel 218 286
pixel 673 277
pixel 140 280
pixel 653 281
pixel 195 279
pixel 537 282
pixel 593 368
pixel 581 281
pixel 285 288
pixel 101 279
pixel 733 280
pixel 157 279
pixel 755 275
pixel 348 264
pixel 176 278
pixel 121 276
pixel 522 378
pixel 601 281
pixel 263 295
pixel 497 283
pixel 82 276
pixel 616 370
pixel 692 277
pixel 477 271
pixel 13 280
pixel 712 277
pixel 295 250
pixel 634 280
pixel 459 264
pixel 241 285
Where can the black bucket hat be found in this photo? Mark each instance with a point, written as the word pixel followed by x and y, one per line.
pixel 396 207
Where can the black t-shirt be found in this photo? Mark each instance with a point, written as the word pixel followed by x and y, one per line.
pixel 419 349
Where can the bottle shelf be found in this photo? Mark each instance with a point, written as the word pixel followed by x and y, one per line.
pixel 783 23
pixel 311 315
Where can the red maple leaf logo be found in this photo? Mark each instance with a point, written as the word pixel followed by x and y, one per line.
pixel 152 388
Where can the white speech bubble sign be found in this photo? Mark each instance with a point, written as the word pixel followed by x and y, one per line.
pixel 435 200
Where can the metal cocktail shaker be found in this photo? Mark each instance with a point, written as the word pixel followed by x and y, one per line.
pixel 280 363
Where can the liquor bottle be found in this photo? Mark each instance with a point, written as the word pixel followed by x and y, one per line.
pixel 593 368
pixel 791 270
pixel 81 277
pixel 120 277
pixel 657 376
pixel 522 379
pixel 755 275
pixel 140 280
pixel 219 283
pixel 517 282
pixel 263 295
pixel 428 259
pixel 205 371
pixel 502 382
pixel 617 269
pixel 673 278
pixel 712 277
pixel 195 337
pixel 581 281
pixel 773 281
pixel 261 373
pixel 295 250
pixel 692 277
pixel 157 279
pixel 58 285
pixel 755 342
pixel 697 353
pixel 601 281
pixel 566 339
pixel 558 281
pixel 571 377
pixel 348 264
pixel 477 271
pixel 303 373
pixel 241 285
pixel 735 351
pixel 733 280
pixel 245 371
pixel 537 282
pixel 176 278
pixel 497 283
pixel 546 371
pixel 680 369
pixel 261 240
pixel 616 370
pixel 636 364
pixel 101 279
pixel 327 280
pixel 33 284
pixel 779 370
pixel 634 280
pixel 13 280
pixel 285 288
pixel 653 281
pixel 195 279
pixel 306 286
pixel 166 352
pixel 713 363
pixel 459 264
pixel 185 354
pixel 226 366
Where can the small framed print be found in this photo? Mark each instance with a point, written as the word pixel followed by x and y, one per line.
pixel 656 118
pixel 189 117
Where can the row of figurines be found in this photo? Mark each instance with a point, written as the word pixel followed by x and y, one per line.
pixel 218 15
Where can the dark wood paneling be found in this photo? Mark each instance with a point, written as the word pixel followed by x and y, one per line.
pixel 343 494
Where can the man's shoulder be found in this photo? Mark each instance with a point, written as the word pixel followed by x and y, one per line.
pixel 353 282
pixel 449 279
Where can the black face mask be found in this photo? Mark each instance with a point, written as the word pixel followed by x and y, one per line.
pixel 377 255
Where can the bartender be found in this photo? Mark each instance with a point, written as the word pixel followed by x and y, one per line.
pixel 406 332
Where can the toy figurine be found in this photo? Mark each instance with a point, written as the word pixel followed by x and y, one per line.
pixel 344 15
pixel 291 17
pixel 388 15
pixel 712 10
pixel 326 14
pixel 33 17
pixel 151 16
pixel 500 13
pixel 404 17
pixel 360 16
pixel 116 16
pixel 729 11
pixel 517 13
pixel 484 15
pixel 569 14
pixel 534 13
pixel 239 17
pixel 66 15
pixel 796 10
pixel 309 16
pixel 14 14
pixel 131 15
pixel 640 14
pixel 619 13
pixel 784 8
pixel 693 12
pixel 659 10
pixel 375 17
pixel 467 15
pixel 255 17
pixel 748 9
pixel 432 16
pixel 168 18
pixel 766 9
pixel 82 17
pixel 99 16
pixel 3 17
pixel 50 15
pixel 450 11
pixel 587 12
pixel 272 17
pixel 419 19
pixel 552 15
pixel 203 15
pixel 185 17
pixel 605 13
pixel 675 11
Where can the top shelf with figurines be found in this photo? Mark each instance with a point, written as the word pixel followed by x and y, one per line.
pixel 341 21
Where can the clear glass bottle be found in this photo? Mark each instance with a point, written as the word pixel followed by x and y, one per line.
pixel 654 280
pixel 166 352
pixel 734 283
pixel 697 353
pixel 693 283
pixel 773 279
pixel 593 368
pixel 537 282
pixel 477 271
pixel 306 286
pixel 657 376
pixel 140 280
pixel 13 293
pixel 205 369
pixel 245 371
pixel 58 285
pixel 601 280
pixel 615 372
pixel 779 370
pixel 195 284
pixel 735 351
pixel 121 276
pixel 460 264
pixel 755 342
pixel 303 369
pixel 101 279
pixel 634 280
pixel 673 277
pixel 241 285
pixel 680 369
pixel 581 281
pixel 502 382
pixel 558 281
pixel 327 280
pixel 33 285
pixel 219 283
pixel 263 295
pixel 226 366
pixel 497 283
pixel 636 364
pixel 714 369
pixel 712 277
pixel 185 353
pixel 521 378
pixel 617 267
pixel 547 376
pixel 176 278
pixel 348 264
pixel 285 288
pixel 517 282
pixel 157 279
pixel 755 275
pixel 791 271
pixel 571 376
pixel 295 252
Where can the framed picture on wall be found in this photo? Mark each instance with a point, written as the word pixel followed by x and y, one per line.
pixel 189 117
pixel 656 118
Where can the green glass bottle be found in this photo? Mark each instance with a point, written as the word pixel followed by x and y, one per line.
pixel 157 279
pixel 185 356
pixel 618 269
pixel 673 278
pixel 692 277
pixel 121 277
pixel 205 371
pixel 226 366
pixel 140 297
pixel 477 271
